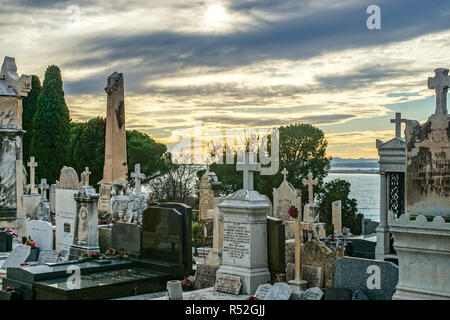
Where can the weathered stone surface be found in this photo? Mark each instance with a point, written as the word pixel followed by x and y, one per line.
pixel 126 237
pixel 42 233
pixel 68 179
pixel 314 276
pixel 313 294
pixel 315 253
pixel 228 283
pixel 275 246
pixel 279 291
pixel 376 278
pixel 18 256
pixel 284 197
pixel 205 276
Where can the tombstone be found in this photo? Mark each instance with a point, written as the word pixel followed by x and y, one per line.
pixel 245 238
pixel 52 198
pixel 17 257
pixel 162 239
pixel 85 239
pixel 364 248
pixel 316 254
pixel 262 291
pixel 311 213
pixel 214 256
pixel 310 183
pixel 66 208
pixel 115 170
pixel 336 216
pixel 275 246
pixel 47 256
pixel 205 276
pixel 313 275
pixel 127 237
pixel 392 186
pixel 105 238
pixel 209 188
pixel 284 197
pixel 42 233
pixel 5 241
pixel 186 212
pixel 369 227
pixel 376 278
pixel 12 90
pixel 279 291
pixel 43 211
pixel 119 207
pixel 228 283
pixel 30 204
pixel 312 294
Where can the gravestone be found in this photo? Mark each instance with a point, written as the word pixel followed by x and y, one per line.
pixel 85 239
pixel 104 237
pixel 338 294
pixel 5 241
pixel 214 256
pixel 162 239
pixel 284 197
pixel 279 291
pixel 205 276
pixel 312 294
pixel 228 283
pixel 336 213
pixel 262 291
pixel 52 198
pixel 186 244
pixel 364 248
pixel 311 213
pixel 209 188
pixel 42 233
pixel 43 211
pixel 275 246
pixel 314 276
pixel 376 278
pixel 17 257
pixel 65 208
pixel 47 256
pixel 126 237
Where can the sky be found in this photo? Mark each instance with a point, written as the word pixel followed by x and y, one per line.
pixel 239 64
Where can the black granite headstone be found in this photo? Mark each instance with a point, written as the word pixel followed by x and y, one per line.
pixel 363 248
pixel 338 294
pixel 275 246
pixel 5 241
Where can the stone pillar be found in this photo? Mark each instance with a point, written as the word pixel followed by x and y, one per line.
pixel 336 213
pixel 383 236
pixel 115 170
pixel 245 239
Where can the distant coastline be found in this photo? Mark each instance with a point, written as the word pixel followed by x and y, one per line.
pixel 355 171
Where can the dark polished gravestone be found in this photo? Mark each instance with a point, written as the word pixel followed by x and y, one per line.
pixel 363 248
pixel 5 241
pixel 377 279
pixel 99 279
pixel 127 237
pixel 275 247
pixel 163 246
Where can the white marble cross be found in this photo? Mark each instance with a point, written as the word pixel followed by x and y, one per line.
pixel 398 124
pixel 44 187
pixel 440 83
pixel 310 183
pixel 86 174
pixel 138 176
pixel 248 167
pixel 32 164
pixel 284 173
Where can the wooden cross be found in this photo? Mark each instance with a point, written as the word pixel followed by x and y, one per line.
pixel 284 173
pixel 440 83
pixel 299 230
pixel 138 176
pixel 44 187
pixel 398 124
pixel 32 164
pixel 310 183
pixel 248 167
pixel 86 173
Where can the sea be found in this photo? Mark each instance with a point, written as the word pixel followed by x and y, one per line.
pixel 365 188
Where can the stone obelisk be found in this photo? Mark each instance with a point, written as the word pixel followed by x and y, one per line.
pixel 115 170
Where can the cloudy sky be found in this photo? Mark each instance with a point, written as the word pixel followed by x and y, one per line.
pixel 239 63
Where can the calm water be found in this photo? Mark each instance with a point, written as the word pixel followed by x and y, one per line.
pixel 365 188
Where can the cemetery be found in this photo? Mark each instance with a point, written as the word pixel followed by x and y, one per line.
pixel 77 239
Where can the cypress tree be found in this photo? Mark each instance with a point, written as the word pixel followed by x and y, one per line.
pixel 29 105
pixel 51 127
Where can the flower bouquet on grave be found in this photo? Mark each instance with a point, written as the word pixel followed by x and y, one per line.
pixel 84 256
pixel 29 242
pixel 110 252
pixel 186 284
pixel 293 212
pixel 12 232
pixel 34 252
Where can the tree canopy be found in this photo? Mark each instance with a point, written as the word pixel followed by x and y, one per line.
pixel 29 104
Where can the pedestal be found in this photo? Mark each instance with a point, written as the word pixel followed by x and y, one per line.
pixel 298 286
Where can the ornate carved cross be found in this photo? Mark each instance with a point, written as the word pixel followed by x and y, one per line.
pixel 310 183
pixel 398 124
pixel 138 176
pixel 32 164
pixel 86 173
pixel 440 83
pixel 44 187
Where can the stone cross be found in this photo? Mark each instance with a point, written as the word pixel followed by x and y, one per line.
pixel 86 174
pixel 138 176
pixel 440 83
pixel 207 166
pixel 284 173
pixel 310 183
pixel 44 187
pixel 32 164
pixel 398 124
pixel 299 229
pixel 248 167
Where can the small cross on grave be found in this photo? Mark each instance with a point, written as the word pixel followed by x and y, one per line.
pixel 284 173
pixel 310 183
pixel 32 164
pixel 248 167
pixel 86 173
pixel 440 83
pixel 299 229
pixel 44 187
pixel 138 176
pixel 398 124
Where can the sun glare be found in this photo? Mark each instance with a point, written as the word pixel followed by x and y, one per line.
pixel 215 15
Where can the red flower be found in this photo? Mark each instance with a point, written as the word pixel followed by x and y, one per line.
pixel 251 298
pixel 293 212
pixel 8 288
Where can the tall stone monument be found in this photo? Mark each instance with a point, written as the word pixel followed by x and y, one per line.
pixel 12 89
pixel 244 251
pixel 209 189
pixel 422 234
pixel 115 170
pixel 392 184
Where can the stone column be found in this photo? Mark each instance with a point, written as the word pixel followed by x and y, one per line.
pixel 245 239
pixel 383 237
